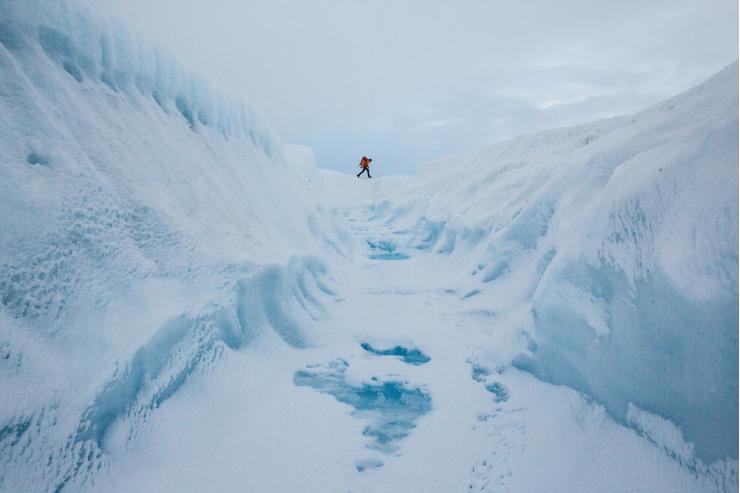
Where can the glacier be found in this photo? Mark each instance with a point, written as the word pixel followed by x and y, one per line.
pixel 189 304
pixel 142 230
pixel 629 230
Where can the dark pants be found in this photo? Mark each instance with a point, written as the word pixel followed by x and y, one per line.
pixel 363 170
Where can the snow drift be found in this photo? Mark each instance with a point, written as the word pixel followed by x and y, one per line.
pixel 612 246
pixel 151 223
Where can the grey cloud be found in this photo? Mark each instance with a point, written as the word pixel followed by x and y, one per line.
pixel 408 80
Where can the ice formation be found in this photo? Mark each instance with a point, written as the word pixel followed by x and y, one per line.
pixel 620 240
pixel 170 273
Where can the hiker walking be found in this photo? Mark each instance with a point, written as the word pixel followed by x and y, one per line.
pixel 365 165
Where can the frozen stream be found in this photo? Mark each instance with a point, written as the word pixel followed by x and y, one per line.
pixel 424 405
pixel 406 385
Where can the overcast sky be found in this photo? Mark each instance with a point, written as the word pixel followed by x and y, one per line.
pixel 404 81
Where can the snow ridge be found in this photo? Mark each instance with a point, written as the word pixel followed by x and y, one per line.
pixel 90 47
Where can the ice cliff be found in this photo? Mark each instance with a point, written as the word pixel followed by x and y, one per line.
pixel 612 246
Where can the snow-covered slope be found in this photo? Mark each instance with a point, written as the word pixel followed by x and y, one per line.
pixel 142 209
pixel 608 253
pixel 187 304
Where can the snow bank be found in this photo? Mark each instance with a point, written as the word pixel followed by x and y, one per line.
pixel 151 224
pixel 612 249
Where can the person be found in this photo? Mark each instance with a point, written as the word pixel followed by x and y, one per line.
pixel 365 165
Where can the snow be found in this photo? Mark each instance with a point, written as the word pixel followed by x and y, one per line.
pixel 187 304
pixel 137 246
pixel 620 238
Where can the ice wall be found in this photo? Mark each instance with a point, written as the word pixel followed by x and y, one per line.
pixel 612 247
pixel 91 47
pixel 150 223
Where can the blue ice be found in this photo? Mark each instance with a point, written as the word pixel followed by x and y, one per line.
pixel 410 356
pixel 479 373
pixel 500 394
pixel 385 250
pixel 384 245
pixel 389 256
pixel 392 407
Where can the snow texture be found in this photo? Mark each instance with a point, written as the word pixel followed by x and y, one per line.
pixel 619 239
pixel 144 236
pixel 562 312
